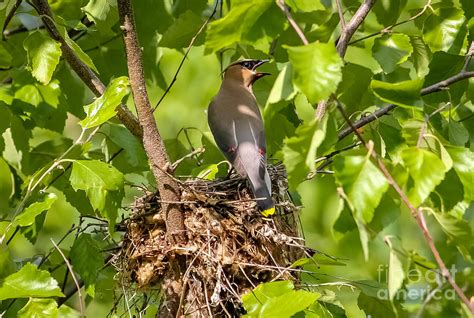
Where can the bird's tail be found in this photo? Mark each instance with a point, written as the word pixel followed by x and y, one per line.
pixel 254 165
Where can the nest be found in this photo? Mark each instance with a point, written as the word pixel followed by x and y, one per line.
pixel 231 246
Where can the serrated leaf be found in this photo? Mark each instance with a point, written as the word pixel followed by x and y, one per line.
pixel 43 55
pixel 39 308
pixel 426 170
pixel 441 28
pixel 406 93
pixel 29 281
pixel 103 108
pixel 28 216
pixel 391 50
pixel 233 26
pixel 362 182
pixel 102 183
pixel 86 257
pixel 299 151
pixel 316 69
pixel 180 33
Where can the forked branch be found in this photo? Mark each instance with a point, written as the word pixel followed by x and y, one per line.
pixel 86 74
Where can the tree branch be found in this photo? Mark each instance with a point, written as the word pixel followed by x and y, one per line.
pixel 152 141
pixel 390 27
pixel 343 42
pixel 385 110
pixel 9 17
pixel 294 25
pixel 81 69
pixel 352 26
pixel 416 212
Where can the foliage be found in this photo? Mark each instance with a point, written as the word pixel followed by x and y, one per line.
pixel 68 166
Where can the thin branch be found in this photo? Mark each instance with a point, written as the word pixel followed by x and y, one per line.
pixel 175 77
pixel 82 70
pixel 386 109
pixel 416 213
pixel 353 25
pixel 9 17
pixel 343 42
pixel 390 27
pixel 294 25
pixel 76 282
pixel 340 11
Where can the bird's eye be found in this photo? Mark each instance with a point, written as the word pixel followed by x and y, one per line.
pixel 247 65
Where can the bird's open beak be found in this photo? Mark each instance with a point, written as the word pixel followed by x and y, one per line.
pixel 260 74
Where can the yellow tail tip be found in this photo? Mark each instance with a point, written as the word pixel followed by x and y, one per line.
pixel 269 211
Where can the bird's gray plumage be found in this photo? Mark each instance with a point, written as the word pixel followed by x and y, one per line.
pixel 237 126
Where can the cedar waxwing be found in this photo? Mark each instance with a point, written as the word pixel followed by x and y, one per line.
pixel 237 126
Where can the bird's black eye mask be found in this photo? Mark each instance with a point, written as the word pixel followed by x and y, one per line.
pixel 252 64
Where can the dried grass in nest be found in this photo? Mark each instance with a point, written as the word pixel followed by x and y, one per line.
pixel 231 247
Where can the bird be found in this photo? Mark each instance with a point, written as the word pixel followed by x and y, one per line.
pixel 237 126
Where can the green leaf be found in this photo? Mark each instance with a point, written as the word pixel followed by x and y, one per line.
pixel 133 149
pixel 352 91
pixel 442 27
pixel 299 151
pixel 86 257
pixel 305 5
pixel 458 231
pixel 391 50
pixel 103 108
pixel 426 170
pixel 39 308
pixel 180 33
pixel 282 87
pixel 388 11
pixel 420 56
pixel 7 265
pixel 405 93
pixel 6 185
pixel 463 163
pixel 29 281
pixel 458 134
pixel 468 8
pixel 103 184
pixel 316 69
pixel 235 24
pixel 5 57
pixel 28 216
pixel 362 182
pixel 277 299
pixel 103 12
pixel 43 55
pixel 398 265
